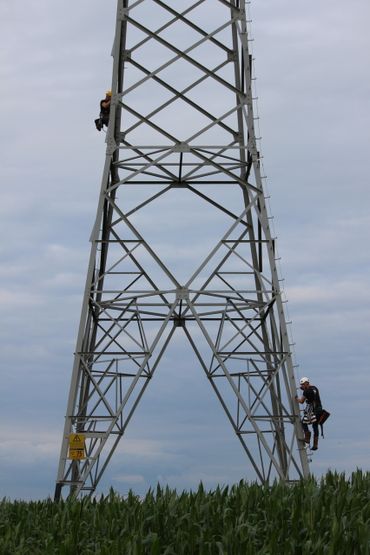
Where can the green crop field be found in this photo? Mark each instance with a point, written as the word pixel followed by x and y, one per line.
pixel 331 516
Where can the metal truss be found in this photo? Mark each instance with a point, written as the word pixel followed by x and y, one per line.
pixel 182 128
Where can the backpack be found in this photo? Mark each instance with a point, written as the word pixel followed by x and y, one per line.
pixel 322 417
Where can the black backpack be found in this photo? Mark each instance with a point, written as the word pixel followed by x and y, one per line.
pixel 322 417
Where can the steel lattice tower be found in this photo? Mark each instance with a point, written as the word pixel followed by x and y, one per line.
pixel 182 126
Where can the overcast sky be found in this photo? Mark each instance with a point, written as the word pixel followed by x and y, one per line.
pixel 312 65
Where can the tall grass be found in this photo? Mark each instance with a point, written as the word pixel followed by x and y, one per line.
pixel 327 517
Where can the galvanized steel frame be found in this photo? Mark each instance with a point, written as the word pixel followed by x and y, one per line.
pixel 125 330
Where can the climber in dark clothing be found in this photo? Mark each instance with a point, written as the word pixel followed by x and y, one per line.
pixel 311 396
pixel 103 119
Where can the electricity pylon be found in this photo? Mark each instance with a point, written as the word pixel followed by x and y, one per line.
pixel 182 126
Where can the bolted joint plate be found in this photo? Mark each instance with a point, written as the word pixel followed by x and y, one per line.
pixel 238 13
pixel 232 56
pixel 181 147
pixel 182 293
pixel 126 55
pixel 122 13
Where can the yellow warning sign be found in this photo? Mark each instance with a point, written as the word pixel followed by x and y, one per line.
pixel 76 454
pixel 77 441
pixel 76 446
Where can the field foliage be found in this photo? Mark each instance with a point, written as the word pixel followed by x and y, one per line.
pixel 331 516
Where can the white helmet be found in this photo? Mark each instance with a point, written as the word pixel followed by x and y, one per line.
pixel 304 380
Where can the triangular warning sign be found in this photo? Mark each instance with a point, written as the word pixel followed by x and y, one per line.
pixel 77 441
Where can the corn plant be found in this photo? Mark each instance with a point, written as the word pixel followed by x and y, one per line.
pixel 330 516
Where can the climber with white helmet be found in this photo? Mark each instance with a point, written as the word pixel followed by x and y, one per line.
pixel 312 411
